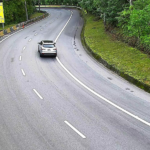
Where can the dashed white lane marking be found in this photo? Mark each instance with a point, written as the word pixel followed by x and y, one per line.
pixel 35 34
pixel 23 72
pixel 24 48
pixel 30 40
pixel 64 27
pixel 20 58
pixel 38 94
pixel 101 97
pixel 73 128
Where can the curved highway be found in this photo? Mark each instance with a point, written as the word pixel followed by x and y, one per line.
pixel 66 103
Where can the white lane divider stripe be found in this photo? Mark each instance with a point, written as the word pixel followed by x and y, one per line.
pixel 20 58
pixel 64 27
pixel 38 94
pixel 23 72
pixel 30 40
pixel 24 48
pixel 73 128
pixel 103 98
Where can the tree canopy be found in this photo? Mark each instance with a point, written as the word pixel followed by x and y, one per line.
pixel 14 10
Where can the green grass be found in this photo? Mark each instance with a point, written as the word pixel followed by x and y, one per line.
pixel 35 15
pixel 6 27
pixel 124 58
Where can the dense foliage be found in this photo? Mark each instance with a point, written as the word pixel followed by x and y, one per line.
pixel 14 10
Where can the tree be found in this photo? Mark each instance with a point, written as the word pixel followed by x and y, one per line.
pixel 138 24
pixel 14 10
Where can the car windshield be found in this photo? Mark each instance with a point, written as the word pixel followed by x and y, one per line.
pixel 48 46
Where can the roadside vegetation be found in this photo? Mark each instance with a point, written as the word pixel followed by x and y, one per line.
pixel 127 59
pixel 36 14
pixel 15 12
pixel 7 26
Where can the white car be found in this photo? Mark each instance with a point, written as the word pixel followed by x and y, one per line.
pixel 47 48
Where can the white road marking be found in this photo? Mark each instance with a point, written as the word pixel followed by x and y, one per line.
pixel 24 48
pixel 38 94
pixel 20 58
pixel 35 34
pixel 98 95
pixel 64 27
pixel 30 40
pixel 103 98
pixel 23 72
pixel 108 101
pixel 10 36
pixel 75 129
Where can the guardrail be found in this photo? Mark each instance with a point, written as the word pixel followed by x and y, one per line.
pixel 22 24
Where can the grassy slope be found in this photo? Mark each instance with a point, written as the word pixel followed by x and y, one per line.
pixel 126 59
pixel 36 15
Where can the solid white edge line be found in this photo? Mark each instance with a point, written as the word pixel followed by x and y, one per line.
pixel 38 94
pixel 73 128
pixel 10 36
pixel 64 27
pixel 103 98
pixel 98 95
pixel 20 58
pixel 23 72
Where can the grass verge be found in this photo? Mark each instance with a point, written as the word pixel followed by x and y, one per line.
pixel 36 15
pixel 129 62
pixel 7 26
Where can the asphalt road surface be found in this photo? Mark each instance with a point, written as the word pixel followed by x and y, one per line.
pixel 70 102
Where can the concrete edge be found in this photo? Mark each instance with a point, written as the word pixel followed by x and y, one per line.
pixel 21 25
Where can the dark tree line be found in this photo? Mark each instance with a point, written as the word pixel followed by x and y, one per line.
pixel 14 10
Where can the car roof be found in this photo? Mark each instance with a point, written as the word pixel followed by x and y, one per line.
pixel 48 42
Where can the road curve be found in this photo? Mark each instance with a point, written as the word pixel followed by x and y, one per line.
pixel 66 103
